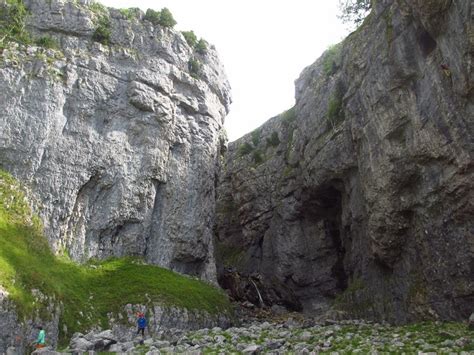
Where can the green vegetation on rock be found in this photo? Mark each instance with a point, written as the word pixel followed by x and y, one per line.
pixel 257 157
pixel 389 26
pixel 245 148
pixel 190 38
pixel 194 67
pixel 331 59
pixel 47 42
pixel 97 8
pixel 102 32
pixel 201 46
pixel 130 13
pixel 335 111
pixel 256 137
pixel 162 18
pixel 273 140
pixel 87 292
pixel 344 337
pixel 101 18
pixel 288 116
pixel 13 15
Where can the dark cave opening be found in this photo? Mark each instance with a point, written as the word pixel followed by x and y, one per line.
pixel 325 204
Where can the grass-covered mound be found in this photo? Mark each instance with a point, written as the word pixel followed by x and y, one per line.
pixel 94 289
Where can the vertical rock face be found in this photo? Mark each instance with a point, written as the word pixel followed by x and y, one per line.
pixel 362 196
pixel 117 142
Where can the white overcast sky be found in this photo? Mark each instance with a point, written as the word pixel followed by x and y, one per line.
pixel 263 44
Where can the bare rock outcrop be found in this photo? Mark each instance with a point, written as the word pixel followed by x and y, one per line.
pixel 117 143
pixel 361 196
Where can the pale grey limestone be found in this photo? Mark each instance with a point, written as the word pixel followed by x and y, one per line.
pixel 117 144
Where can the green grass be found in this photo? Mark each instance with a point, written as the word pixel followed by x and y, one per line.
pixel 13 16
pixel 47 42
pixel 331 60
pixel 94 289
pixel 244 149
pixel 335 111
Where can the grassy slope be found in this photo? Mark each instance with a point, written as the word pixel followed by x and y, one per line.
pixel 95 289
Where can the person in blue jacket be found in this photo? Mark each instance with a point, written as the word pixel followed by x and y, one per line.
pixel 40 341
pixel 141 323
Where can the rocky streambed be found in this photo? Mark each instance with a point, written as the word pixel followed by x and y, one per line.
pixel 291 334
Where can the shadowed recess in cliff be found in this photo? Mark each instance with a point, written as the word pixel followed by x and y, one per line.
pixel 321 219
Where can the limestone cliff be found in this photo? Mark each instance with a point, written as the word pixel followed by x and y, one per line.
pixel 118 142
pixel 361 196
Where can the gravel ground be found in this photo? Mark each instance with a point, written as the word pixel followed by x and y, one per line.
pixel 341 337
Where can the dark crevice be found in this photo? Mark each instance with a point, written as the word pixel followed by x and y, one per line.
pixel 155 220
pixel 427 43
pixel 325 203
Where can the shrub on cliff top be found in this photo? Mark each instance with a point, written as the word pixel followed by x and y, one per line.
pixel 88 292
pixel 190 38
pixel 331 59
pixel 102 32
pixel 97 8
pixel 166 18
pixel 130 13
pixel 201 46
pixel 163 18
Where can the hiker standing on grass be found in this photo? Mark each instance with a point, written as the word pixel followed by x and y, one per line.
pixel 40 341
pixel 141 322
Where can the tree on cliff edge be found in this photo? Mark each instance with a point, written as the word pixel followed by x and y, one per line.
pixel 354 11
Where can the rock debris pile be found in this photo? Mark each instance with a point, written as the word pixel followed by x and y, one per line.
pixel 292 335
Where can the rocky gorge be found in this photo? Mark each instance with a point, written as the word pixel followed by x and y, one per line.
pixel 356 203
pixel 361 196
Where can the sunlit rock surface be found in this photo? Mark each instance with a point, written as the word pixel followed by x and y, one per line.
pixel 118 144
